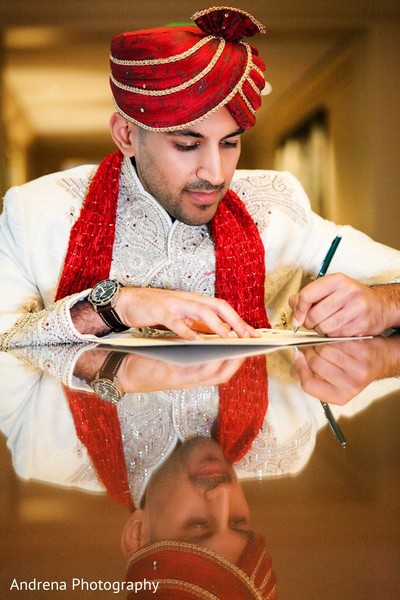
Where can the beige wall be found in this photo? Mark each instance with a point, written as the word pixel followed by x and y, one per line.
pixel 384 124
pixel 359 85
pixel 3 164
pixel 18 137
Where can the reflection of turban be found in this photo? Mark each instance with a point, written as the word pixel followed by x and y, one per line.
pixel 168 78
pixel 189 572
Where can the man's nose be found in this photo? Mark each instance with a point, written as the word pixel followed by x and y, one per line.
pixel 220 497
pixel 211 167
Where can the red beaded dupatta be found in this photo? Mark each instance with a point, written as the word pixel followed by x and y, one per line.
pixel 243 403
pixel 91 240
pixel 240 262
pixel 97 426
pixel 240 278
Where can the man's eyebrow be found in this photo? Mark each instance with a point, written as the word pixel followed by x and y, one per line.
pixel 246 534
pixel 198 135
pixel 237 132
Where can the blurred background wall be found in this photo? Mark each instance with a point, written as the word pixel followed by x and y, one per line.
pixel 332 117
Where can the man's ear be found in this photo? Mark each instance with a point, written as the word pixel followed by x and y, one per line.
pixel 123 133
pixel 134 533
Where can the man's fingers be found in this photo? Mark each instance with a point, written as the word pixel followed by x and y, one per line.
pixel 185 313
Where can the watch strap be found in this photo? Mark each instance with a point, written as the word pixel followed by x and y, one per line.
pixel 111 318
pixel 111 365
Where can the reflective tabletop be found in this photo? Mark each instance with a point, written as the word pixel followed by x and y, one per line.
pixel 272 472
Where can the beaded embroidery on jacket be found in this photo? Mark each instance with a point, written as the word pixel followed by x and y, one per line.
pixel 150 250
pixel 153 422
pixel 50 326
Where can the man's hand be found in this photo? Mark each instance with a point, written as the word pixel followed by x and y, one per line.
pixel 336 372
pixel 145 374
pixel 184 313
pixel 180 312
pixel 336 305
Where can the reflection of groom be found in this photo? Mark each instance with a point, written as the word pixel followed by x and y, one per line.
pixel 193 497
pixel 193 505
pixel 242 405
pixel 192 533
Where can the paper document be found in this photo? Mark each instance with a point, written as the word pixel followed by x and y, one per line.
pixel 268 337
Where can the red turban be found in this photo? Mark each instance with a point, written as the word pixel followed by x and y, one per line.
pixel 167 78
pixel 188 572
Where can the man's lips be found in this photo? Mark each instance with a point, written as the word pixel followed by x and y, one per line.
pixel 210 466
pixel 209 482
pixel 204 198
pixel 210 470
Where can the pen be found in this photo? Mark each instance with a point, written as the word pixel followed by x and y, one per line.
pixel 328 413
pixel 333 424
pixel 327 261
pixel 328 258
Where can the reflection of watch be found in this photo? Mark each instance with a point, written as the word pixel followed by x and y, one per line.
pixel 105 384
pixel 102 298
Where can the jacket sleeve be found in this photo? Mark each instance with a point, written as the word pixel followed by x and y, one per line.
pixel 34 233
pixel 357 256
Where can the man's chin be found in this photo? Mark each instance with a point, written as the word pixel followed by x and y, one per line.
pixel 196 223
pixel 203 217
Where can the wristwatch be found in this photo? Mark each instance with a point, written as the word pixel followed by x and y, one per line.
pixel 102 298
pixel 105 384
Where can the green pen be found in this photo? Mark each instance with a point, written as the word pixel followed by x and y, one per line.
pixel 329 416
pixel 327 261
pixel 333 424
pixel 328 258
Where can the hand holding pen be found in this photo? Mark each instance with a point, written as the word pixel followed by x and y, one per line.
pixel 328 413
pixel 336 305
pixel 326 262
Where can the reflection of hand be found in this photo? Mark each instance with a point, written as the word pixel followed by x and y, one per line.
pixel 179 312
pixel 337 372
pixel 144 374
pixel 336 305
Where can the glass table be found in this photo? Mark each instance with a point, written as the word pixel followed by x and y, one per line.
pixel 293 453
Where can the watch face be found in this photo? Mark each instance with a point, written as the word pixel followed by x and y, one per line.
pixel 104 291
pixel 107 390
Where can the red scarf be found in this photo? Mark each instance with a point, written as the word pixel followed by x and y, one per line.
pixel 240 279
pixel 97 426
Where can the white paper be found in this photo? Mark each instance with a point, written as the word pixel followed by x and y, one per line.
pixel 268 337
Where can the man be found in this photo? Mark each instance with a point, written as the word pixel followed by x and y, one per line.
pixel 192 242
pixel 193 533
pixel 194 497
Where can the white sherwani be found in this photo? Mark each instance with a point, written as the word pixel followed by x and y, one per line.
pixel 151 250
